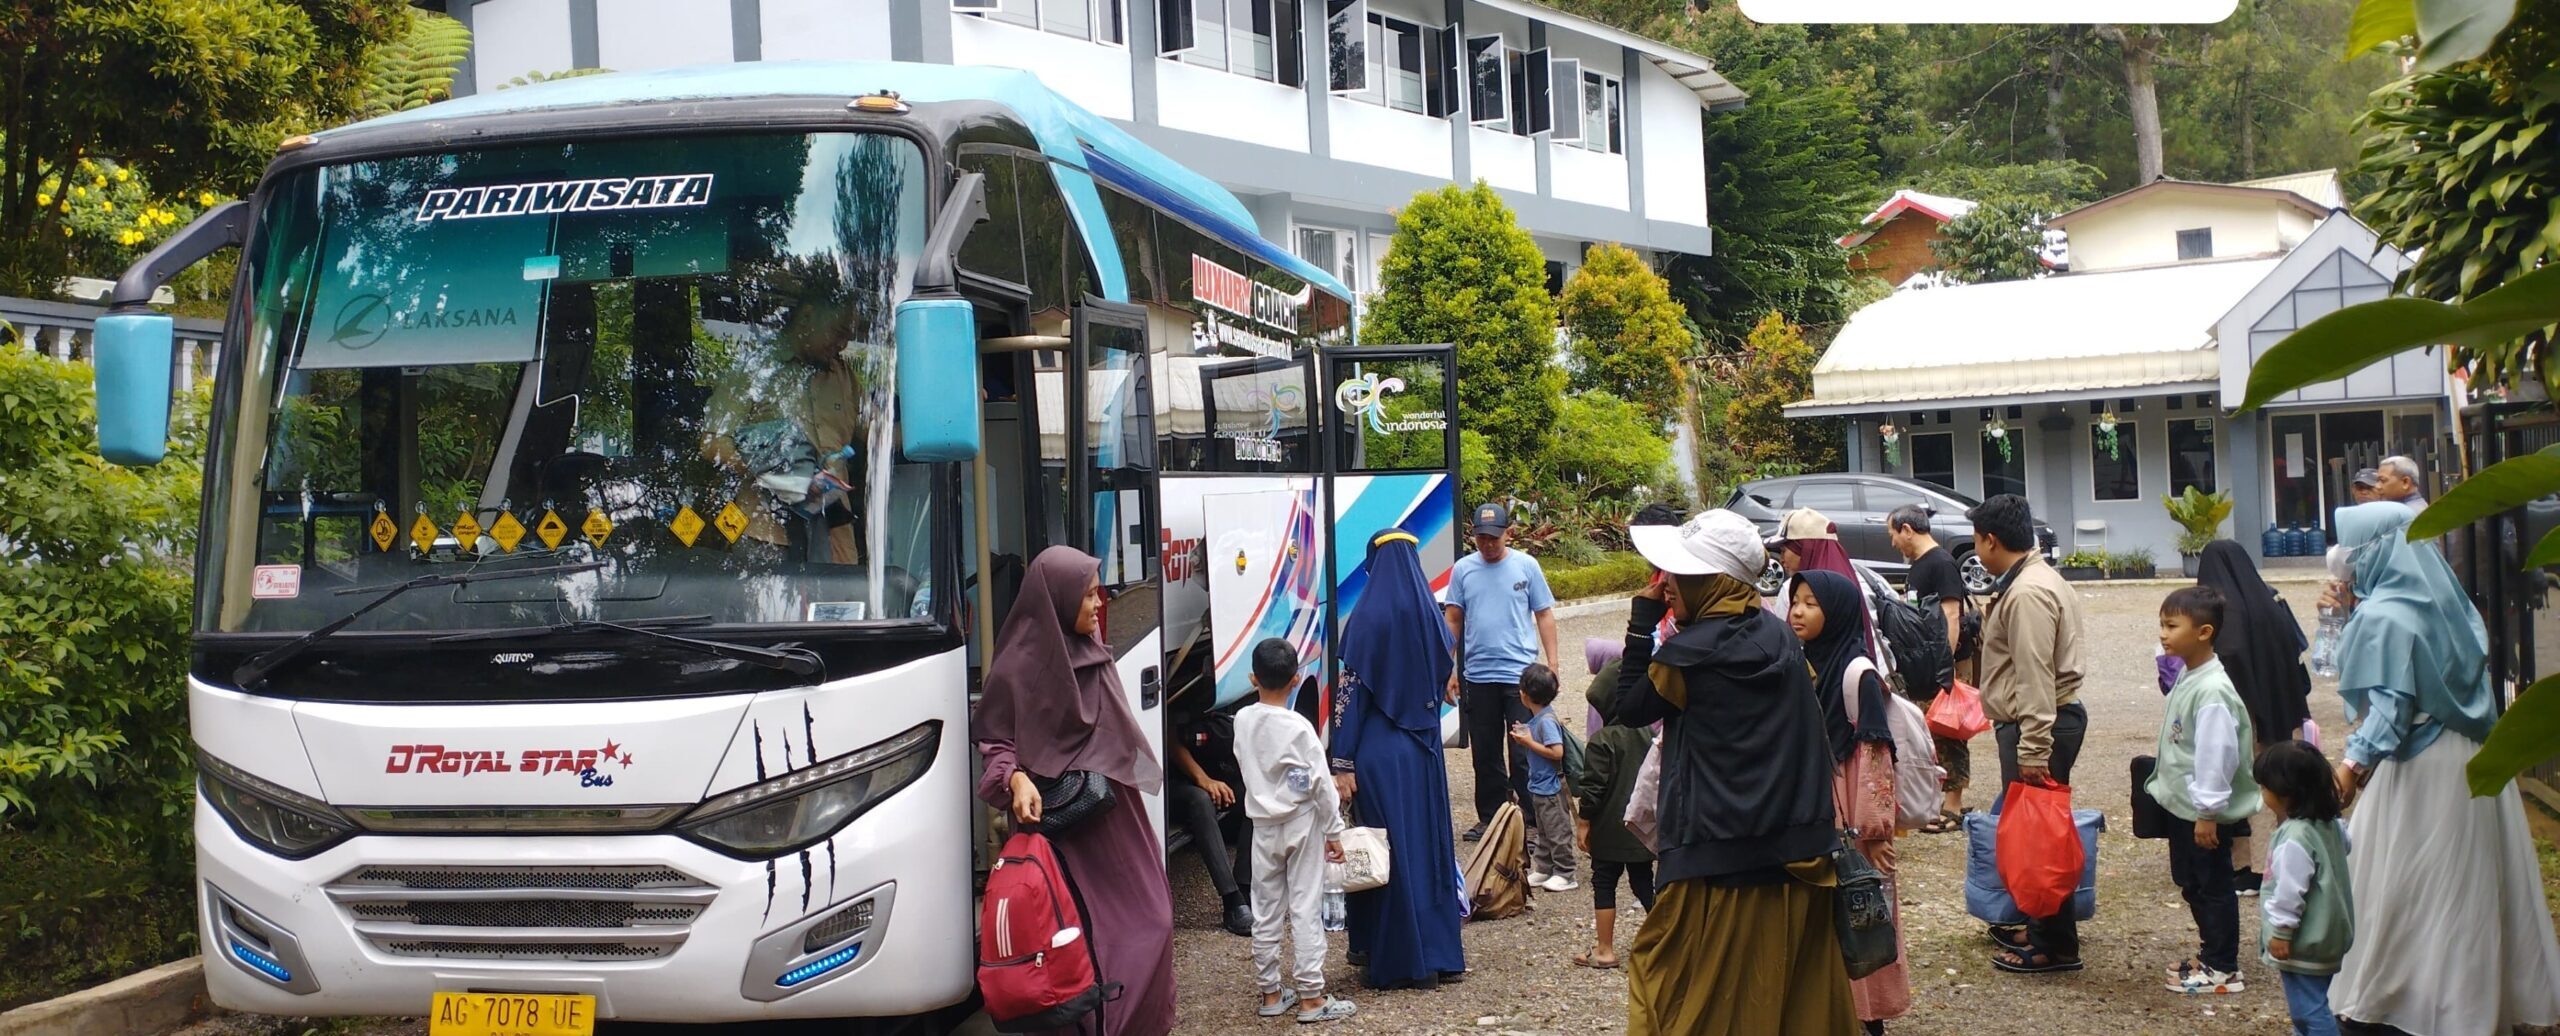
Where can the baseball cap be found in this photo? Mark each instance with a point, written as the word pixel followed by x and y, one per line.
pixel 1491 519
pixel 1717 542
pixel 1805 523
pixel 2368 478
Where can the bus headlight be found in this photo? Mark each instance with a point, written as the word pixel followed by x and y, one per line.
pixel 806 806
pixel 268 815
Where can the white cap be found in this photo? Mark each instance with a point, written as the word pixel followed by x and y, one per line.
pixel 1717 542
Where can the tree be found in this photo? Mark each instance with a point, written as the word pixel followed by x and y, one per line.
pixel 193 94
pixel 1997 241
pixel 1462 270
pixel 2052 186
pixel 1777 369
pixel 1624 333
pixel 2139 52
pixel 1615 446
pixel 417 69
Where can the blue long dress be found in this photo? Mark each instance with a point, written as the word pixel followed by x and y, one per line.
pixel 1396 659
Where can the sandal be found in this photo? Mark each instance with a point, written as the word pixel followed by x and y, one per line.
pixel 2011 936
pixel 1944 823
pixel 2032 962
pixel 1585 959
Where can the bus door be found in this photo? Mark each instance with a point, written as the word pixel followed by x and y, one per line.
pixel 1256 519
pixel 1391 420
pixel 1112 510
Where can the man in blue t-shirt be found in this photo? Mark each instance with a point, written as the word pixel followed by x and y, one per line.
pixel 1502 617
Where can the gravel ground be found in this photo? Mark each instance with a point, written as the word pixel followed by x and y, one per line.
pixel 1523 981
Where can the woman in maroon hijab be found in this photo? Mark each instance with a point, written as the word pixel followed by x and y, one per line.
pixel 1053 704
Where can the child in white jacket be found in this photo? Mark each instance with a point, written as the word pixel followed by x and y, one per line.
pixel 1290 798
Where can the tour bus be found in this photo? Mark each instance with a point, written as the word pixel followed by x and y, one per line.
pixel 613 486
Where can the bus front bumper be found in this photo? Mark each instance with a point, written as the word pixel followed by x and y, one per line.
pixel 868 924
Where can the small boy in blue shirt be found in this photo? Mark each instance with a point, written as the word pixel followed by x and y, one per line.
pixel 1551 862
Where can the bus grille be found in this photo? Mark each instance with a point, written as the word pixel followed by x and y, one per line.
pixel 603 913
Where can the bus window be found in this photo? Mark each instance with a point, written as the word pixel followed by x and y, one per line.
pixel 994 249
pixel 1391 410
pixel 1118 455
pixel 1247 414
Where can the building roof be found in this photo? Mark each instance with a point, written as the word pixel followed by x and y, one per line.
pixel 2321 186
pixel 2163 185
pixel 1938 207
pixel 1692 71
pixel 2087 335
pixel 1067 133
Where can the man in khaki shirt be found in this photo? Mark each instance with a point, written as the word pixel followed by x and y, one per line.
pixel 2030 690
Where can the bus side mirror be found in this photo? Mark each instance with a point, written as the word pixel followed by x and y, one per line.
pixel 131 352
pixel 938 379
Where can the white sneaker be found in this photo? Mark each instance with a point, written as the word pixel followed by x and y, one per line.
pixel 1560 883
pixel 2208 982
pixel 1538 878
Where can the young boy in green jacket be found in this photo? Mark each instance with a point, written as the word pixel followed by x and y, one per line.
pixel 1609 765
pixel 2203 778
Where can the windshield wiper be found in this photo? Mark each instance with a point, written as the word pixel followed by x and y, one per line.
pixel 797 663
pixel 255 671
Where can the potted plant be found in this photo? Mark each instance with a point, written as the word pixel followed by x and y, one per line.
pixel 2201 515
pixel 2132 564
pixel 2084 564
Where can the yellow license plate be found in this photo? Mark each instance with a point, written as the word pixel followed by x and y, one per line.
pixel 512 1014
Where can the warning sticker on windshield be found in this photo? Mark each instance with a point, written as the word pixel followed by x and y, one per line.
pixel 551 197
pixel 275 582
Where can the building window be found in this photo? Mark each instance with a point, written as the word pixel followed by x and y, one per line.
pixel 1933 459
pixel 1488 87
pixel 1604 103
pixel 2115 468
pixel 1257 38
pixel 1095 20
pixel 1334 251
pixel 2191 455
pixel 2195 244
pixel 1402 75
pixel 2004 471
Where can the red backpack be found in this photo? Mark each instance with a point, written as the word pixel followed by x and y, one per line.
pixel 1035 966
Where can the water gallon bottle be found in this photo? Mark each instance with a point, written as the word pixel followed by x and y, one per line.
pixel 2297 542
pixel 2272 544
pixel 1337 915
pixel 2324 644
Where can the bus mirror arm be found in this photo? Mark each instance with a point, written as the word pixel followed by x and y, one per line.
pixel 223 226
pixel 962 211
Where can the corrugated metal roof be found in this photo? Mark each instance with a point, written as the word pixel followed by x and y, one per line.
pixel 2068 333
pixel 2319 185
pixel 1696 73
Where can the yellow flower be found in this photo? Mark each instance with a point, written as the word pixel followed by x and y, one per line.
pixel 66 231
pixel 78 191
pixel 44 200
pixel 123 175
pixel 99 181
pixel 204 198
pixel 105 205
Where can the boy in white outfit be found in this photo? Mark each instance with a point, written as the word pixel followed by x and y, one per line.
pixel 1292 803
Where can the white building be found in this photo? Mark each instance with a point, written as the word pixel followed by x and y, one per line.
pixel 1323 116
pixel 2098 392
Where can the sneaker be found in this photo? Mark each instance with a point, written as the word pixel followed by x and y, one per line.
pixel 1474 834
pixel 1330 1009
pixel 2208 981
pixel 1239 919
pixel 1538 878
pixel 1561 883
pixel 2246 882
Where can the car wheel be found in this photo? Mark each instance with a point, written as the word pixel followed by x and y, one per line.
pixel 1977 578
pixel 1772 577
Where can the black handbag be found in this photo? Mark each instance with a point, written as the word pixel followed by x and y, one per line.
pixel 2150 818
pixel 1070 799
pixel 1862 912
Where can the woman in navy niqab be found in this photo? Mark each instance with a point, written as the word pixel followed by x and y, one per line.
pixel 1386 748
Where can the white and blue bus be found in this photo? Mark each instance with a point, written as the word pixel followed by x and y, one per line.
pixel 612 484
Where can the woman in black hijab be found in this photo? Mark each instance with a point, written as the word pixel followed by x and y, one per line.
pixel 2261 646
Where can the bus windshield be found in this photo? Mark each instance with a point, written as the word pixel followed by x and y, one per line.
pixel 670 356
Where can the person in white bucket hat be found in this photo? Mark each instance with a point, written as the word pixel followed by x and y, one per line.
pixel 1740 939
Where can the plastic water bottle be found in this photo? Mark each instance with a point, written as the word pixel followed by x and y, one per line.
pixel 1337 914
pixel 2324 644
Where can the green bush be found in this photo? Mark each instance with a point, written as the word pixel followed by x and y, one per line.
pixel 1610 447
pixel 1615 574
pixel 95 770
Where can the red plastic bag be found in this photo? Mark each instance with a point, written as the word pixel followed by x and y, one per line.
pixel 2039 850
pixel 1956 713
